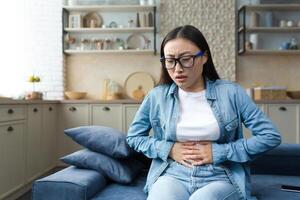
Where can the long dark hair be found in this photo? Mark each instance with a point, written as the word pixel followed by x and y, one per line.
pixel 194 35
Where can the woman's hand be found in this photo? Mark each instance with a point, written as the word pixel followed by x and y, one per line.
pixel 176 154
pixel 198 153
pixel 191 153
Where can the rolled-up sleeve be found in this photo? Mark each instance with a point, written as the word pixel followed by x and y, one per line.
pixel 265 136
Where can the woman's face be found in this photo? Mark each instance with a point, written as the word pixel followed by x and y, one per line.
pixel 188 79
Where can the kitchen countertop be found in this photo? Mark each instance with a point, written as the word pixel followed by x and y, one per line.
pixel 95 101
pixel 121 101
pixel 15 101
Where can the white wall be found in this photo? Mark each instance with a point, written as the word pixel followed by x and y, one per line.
pixel 44 45
pixel 31 43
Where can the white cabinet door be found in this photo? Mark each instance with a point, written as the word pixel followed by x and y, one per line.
pixel 129 114
pixel 107 115
pixel 48 137
pixel 12 154
pixel 247 132
pixel 71 115
pixel 33 141
pixel 286 119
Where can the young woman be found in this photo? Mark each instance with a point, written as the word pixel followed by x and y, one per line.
pixel 197 148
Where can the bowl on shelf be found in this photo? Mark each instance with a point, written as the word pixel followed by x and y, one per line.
pixel 75 94
pixel 294 94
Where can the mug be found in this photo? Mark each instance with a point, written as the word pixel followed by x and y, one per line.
pixel 290 23
pixel 254 40
pixel 283 23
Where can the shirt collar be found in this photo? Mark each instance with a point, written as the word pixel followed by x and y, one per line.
pixel 210 89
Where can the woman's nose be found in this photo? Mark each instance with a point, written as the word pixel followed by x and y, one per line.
pixel 178 67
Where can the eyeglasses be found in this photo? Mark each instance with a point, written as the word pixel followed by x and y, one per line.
pixel 184 61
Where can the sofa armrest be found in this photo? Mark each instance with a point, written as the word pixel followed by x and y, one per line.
pixel 283 160
pixel 70 183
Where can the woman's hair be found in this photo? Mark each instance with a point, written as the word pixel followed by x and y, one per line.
pixel 192 34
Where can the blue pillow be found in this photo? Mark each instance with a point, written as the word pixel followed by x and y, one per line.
pixel 102 139
pixel 121 171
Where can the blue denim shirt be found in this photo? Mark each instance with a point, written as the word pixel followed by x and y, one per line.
pixel 231 107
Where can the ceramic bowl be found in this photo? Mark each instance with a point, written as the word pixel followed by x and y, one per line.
pixel 75 94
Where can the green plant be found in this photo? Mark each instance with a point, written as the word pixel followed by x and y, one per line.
pixel 34 79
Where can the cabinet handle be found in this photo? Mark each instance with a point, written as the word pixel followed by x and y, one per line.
pixel 50 108
pixel 35 110
pixel 72 109
pixel 10 129
pixel 10 111
pixel 282 108
pixel 106 108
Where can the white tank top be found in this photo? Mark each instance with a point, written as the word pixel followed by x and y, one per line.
pixel 196 120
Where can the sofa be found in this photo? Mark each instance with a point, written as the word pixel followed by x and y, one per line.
pixel 268 172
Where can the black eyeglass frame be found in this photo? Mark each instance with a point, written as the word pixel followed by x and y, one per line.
pixel 198 54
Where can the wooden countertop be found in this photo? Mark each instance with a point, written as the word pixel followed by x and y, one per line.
pixel 121 101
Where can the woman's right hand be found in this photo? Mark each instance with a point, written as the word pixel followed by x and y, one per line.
pixel 176 153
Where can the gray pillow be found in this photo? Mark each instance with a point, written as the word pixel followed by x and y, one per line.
pixel 119 170
pixel 102 139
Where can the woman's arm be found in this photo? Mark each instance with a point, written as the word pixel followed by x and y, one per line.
pixel 138 134
pixel 265 135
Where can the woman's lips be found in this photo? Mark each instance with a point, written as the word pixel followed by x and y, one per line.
pixel 180 78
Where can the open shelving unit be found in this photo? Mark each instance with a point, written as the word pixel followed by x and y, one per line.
pixel 108 30
pixel 243 28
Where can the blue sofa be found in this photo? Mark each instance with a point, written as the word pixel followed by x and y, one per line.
pixel 269 172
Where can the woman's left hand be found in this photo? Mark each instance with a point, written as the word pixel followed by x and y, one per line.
pixel 198 153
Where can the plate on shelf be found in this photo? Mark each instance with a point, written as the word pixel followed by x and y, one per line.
pixel 92 20
pixel 137 41
pixel 138 84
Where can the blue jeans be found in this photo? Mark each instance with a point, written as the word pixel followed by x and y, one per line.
pixel 207 182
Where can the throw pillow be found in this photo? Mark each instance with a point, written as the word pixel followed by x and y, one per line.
pixel 119 170
pixel 101 139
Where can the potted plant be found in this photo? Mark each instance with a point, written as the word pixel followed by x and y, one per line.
pixel 34 95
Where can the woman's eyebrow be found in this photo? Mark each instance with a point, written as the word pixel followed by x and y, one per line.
pixel 182 53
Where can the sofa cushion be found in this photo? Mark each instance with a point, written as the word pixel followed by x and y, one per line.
pixel 119 170
pixel 132 191
pixel 102 139
pixel 70 183
pixel 267 187
pixel 278 161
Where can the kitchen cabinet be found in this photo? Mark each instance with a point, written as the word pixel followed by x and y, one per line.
pixel 268 29
pixel 286 119
pixel 12 162
pixel 70 116
pixel 109 29
pixel 129 114
pixel 33 141
pixel 107 115
pixel 49 136
pixel 12 148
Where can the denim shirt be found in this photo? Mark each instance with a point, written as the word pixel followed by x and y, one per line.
pixel 231 107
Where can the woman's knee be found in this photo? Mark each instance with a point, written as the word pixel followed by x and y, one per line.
pixel 168 188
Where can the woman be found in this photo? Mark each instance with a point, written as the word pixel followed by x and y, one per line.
pixel 197 147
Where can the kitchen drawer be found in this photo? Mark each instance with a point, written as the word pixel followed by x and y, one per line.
pixel 12 112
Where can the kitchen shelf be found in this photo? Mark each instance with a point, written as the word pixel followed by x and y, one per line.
pixel 134 51
pixel 270 29
pixel 109 8
pixel 78 32
pixel 109 30
pixel 271 7
pixel 243 29
pixel 269 52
